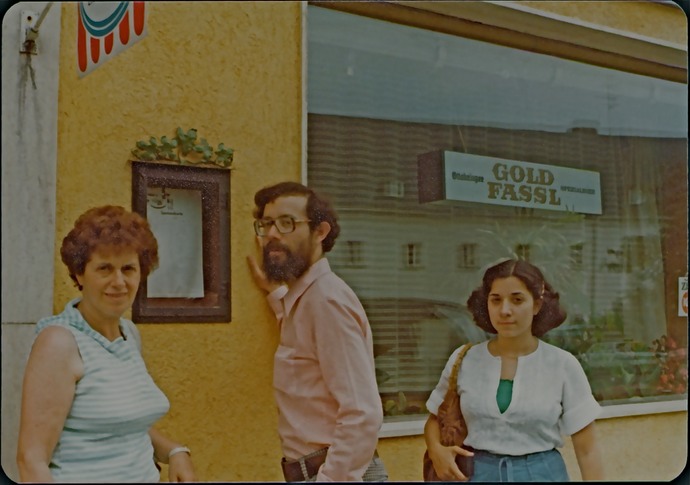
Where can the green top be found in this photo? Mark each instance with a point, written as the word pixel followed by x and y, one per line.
pixel 504 394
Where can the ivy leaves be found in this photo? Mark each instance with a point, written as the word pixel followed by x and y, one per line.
pixel 183 148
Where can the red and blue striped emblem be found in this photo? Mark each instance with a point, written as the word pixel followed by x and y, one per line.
pixel 105 29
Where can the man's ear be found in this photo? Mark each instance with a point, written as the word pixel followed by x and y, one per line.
pixel 322 230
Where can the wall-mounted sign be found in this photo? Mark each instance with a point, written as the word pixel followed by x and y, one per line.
pixel 448 176
pixel 189 211
pixel 105 29
pixel 683 296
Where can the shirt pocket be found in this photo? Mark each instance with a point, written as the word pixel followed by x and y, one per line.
pixel 295 373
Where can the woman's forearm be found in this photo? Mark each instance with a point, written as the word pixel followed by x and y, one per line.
pixel 588 454
pixel 591 466
pixel 432 433
pixel 162 445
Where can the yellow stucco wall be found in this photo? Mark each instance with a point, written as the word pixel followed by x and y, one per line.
pixel 652 447
pixel 233 71
pixel 662 22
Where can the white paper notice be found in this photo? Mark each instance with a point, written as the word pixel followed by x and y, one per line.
pixel 175 217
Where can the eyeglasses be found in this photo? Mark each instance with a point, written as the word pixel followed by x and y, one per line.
pixel 284 225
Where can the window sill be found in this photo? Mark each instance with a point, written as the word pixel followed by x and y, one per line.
pixel 638 409
pixel 411 427
pixel 415 426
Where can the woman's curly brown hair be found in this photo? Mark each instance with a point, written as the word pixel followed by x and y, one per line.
pixel 115 228
pixel 550 316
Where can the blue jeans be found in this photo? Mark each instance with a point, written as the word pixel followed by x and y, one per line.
pixel 546 466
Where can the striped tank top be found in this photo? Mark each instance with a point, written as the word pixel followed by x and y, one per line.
pixel 105 436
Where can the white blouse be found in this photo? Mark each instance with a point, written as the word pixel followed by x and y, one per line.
pixel 551 397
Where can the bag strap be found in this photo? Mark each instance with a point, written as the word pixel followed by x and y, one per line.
pixel 453 382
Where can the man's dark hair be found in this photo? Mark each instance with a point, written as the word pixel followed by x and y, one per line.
pixel 319 209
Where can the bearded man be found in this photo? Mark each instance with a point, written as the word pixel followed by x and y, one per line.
pixel 324 380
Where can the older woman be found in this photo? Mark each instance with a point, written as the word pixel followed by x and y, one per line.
pixel 88 402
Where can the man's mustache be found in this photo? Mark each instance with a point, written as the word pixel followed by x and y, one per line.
pixel 275 246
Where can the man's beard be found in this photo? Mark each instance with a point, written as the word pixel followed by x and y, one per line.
pixel 292 267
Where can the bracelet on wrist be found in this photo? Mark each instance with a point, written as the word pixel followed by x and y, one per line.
pixel 179 449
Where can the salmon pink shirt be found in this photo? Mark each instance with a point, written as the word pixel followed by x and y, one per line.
pixel 324 379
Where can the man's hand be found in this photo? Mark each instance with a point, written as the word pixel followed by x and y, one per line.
pixel 258 274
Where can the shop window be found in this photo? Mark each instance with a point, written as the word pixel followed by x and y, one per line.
pixel 382 95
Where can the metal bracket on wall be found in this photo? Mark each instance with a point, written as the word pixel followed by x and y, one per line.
pixel 28 33
pixel 28 29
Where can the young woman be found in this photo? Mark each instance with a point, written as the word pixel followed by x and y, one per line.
pixel 88 401
pixel 519 395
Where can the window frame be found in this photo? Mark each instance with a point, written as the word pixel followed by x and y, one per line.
pixel 355 254
pixel 412 256
pixel 577 257
pixel 539 31
pixel 466 256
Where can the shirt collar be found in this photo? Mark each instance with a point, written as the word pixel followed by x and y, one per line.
pixel 76 319
pixel 297 289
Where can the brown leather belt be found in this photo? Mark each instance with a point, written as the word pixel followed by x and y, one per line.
pixel 306 467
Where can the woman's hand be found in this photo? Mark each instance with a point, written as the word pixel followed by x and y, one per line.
pixel 180 468
pixel 443 459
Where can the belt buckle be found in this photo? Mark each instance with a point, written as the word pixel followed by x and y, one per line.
pixel 303 468
pixel 304 465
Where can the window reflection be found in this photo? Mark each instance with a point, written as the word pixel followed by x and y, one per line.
pixel 380 94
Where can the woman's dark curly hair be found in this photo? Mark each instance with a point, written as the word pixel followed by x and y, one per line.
pixel 550 316
pixel 110 227
pixel 318 208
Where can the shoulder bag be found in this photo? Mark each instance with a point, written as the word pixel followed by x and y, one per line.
pixel 452 424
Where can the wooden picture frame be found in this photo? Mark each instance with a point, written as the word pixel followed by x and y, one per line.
pixel 210 186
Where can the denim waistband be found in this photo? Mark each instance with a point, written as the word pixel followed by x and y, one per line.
pixel 505 463
pixel 497 457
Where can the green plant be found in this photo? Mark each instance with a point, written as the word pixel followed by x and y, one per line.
pixel 168 148
pixel 394 407
pixel 224 155
pixel 183 148
pixel 147 151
